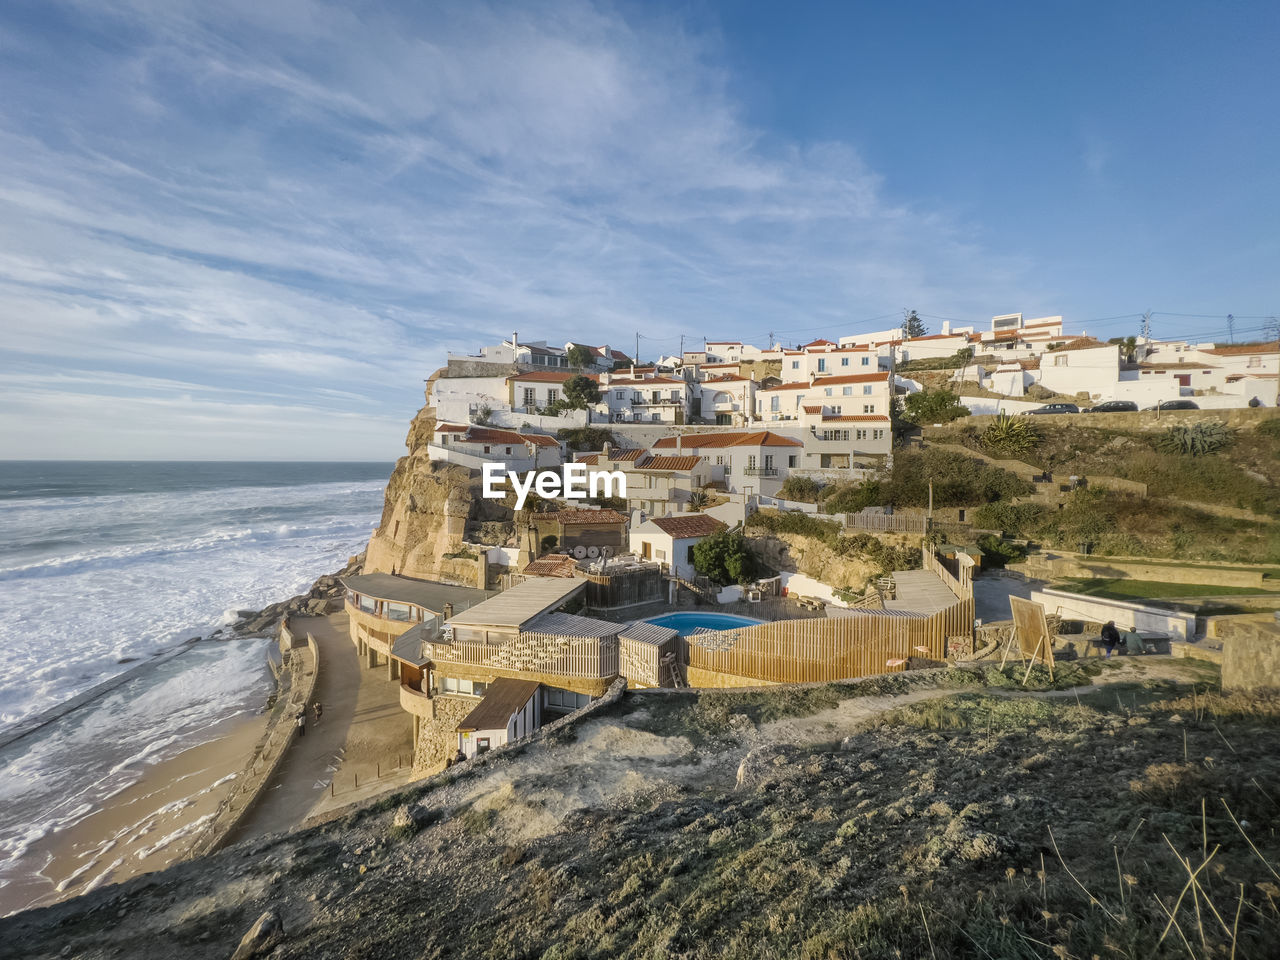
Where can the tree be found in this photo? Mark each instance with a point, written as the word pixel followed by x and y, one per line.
pixel 932 406
pixel 585 438
pixel 913 326
pixel 579 392
pixel 580 356
pixel 724 558
pixel 549 542
pixel 1130 349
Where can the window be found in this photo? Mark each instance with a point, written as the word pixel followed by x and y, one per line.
pixel 844 361
pixel 866 361
pixel 826 391
pixel 847 391
pixel 530 397
pixel 566 699
pixel 482 745
pixel 657 396
pixel 866 390
pixel 751 461
pixel 637 397
pixel 822 365
pixel 868 408
pixel 552 396
pixel 397 611
pixel 861 435
pixel 368 604
pixel 719 461
pixel 508 451
pixel 837 409
pixel 675 396
pixel 1255 362
pixel 655 417
pixel 791 460
pixel 795 364
pixel 465 688
pixel 1061 360
pixel 486 449
pixel 620 395
pixel 688 558
pixel 768 461
pixel 877 434
pixel 773 404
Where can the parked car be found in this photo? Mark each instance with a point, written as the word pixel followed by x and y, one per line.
pixel 1113 406
pixel 1177 405
pixel 1055 408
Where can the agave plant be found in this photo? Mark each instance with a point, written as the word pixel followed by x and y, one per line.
pixel 1195 440
pixel 1010 435
pixel 698 500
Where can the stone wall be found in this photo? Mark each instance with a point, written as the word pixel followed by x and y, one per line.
pixel 1142 420
pixel 1251 657
pixel 1128 616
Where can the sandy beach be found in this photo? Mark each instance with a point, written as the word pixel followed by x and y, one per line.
pixel 142 828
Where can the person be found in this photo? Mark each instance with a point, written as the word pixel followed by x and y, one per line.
pixel 1110 636
pixel 319 711
pixel 301 721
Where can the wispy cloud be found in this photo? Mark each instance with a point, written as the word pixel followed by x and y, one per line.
pixel 300 199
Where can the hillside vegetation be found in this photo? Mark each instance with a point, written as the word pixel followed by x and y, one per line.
pixel 861 820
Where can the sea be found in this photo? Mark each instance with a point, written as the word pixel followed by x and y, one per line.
pixel 104 565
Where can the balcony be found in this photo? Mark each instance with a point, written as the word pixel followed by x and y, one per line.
pixel 662 402
pixel 416 702
pixel 760 472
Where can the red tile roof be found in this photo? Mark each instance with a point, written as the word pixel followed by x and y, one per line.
pixel 857 417
pixel 491 435
pixel 591 458
pixel 688 527
pixel 817 409
pixel 552 565
pixel 626 456
pixel 1085 343
pixel 1244 349
pixel 639 383
pixel 758 438
pixel 668 463
pixel 818 343
pixel 572 517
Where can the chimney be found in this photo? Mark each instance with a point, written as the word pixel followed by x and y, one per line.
pixel 812 377
pixel 604 379
pixel 946 327
pixel 679 443
pixel 515 339
pixel 448 611
pixel 605 452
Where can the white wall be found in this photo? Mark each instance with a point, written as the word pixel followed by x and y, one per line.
pixel 455 397
pixel 1128 616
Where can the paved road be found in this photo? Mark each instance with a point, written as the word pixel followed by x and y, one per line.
pixel 991 596
pixel 362 731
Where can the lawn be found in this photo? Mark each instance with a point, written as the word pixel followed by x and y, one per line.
pixel 1154 590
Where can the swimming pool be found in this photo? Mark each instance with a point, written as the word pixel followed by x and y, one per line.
pixel 686 623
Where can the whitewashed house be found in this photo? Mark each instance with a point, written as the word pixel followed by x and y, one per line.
pixel 670 540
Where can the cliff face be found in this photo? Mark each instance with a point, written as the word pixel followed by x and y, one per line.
pixel 424 515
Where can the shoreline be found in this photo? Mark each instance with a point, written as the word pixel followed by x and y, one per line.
pixel 147 826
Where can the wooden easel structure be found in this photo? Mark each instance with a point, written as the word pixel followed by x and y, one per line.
pixel 1032 633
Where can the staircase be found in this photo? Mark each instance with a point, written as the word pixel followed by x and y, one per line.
pixel 705 593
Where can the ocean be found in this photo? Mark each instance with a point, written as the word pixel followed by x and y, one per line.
pixel 103 565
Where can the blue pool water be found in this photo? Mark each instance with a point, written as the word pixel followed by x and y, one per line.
pixel 686 623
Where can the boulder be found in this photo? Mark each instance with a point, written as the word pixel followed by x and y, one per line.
pixel 263 936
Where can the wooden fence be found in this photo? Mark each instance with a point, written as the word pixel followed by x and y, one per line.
pixel 885 522
pixel 957 574
pixel 543 653
pixel 806 651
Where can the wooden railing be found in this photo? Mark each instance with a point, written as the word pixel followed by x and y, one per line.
pixel 959 583
pixel 591 658
pixel 885 522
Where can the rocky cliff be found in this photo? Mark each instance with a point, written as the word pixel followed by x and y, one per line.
pixel 425 514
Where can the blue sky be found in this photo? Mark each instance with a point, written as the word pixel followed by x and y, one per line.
pixel 252 229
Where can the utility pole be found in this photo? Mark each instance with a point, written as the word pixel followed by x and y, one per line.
pixel 1146 326
pixel 1231 328
pixel 637 356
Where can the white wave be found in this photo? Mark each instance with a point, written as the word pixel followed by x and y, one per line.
pixel 183 831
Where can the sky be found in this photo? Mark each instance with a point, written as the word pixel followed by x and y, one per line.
pixel 251 230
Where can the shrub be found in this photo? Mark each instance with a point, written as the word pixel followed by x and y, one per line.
pixel 1013 519
pixel 851 497
pixel 1010 436
pixel 1194 440
pixel 585 438
pixel 997 552
pixel 800 489
pixel 958 480
pixel 933 406
pixel 724 558
pixel 549 542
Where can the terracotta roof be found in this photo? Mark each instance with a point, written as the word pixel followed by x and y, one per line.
pixel 818 343
pixel 759 438
pixel 552 565
pixel 591 458
pixel 1244 349
pixel 503 698
pixel 1084 343
pixel 491 435
pixel 857 417
pixel 451 428
pixel 832 381
pixel 1235 377
pixel 687 527
pixel 545 376
pixel 668 463
pixel 724 343
pixel 726 378
pixel 568 518
pixel 626 456
pixel 817 409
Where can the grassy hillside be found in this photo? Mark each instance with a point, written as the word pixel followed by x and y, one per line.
pixel 867 820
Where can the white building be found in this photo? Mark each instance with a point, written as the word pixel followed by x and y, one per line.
pixel 726 398
pixel 748 462
pixel 865 394
pixel 652 398
pixel 473 446
pixel 463 398
pixel 511 710
pixel 530 392
pixel 670 540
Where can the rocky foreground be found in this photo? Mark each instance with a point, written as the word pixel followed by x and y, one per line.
pixel 943 813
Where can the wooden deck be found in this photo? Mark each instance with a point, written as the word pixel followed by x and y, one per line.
pixel 921 591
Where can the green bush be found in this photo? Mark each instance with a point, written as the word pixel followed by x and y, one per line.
pixel 585 438
pixel 851 497
pixel 958 480
pixel 933 406
pixel 997 552
pixel 1013 519
pixel 800 489
pixel 724 558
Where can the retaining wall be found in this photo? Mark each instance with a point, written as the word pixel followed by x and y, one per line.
pixel 1129 616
